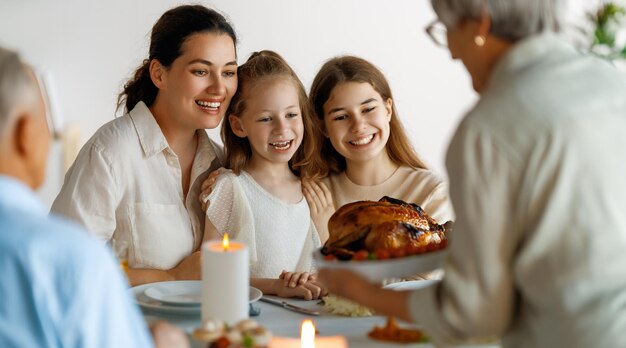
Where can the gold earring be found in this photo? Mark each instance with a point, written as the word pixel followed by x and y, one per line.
pixel 480 40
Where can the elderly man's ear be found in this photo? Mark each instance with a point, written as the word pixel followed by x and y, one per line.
pixel 31 142
pixel 25 134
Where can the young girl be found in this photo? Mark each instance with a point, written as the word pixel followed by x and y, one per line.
pixel 367 151
pixel 269 139
pixel 136 180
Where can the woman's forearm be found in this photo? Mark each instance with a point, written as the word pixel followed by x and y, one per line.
pixel 345 283
pixel 140 276
pixel 386 302
pixel 267 286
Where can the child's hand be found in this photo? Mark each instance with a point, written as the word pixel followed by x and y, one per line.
pixel 207 187
pixel 293 279
pixel 321 204
pixel 311 290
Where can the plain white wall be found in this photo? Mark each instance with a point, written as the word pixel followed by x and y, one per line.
pixel 90 48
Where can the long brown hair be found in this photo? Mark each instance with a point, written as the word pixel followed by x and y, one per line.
pixel 262 67
pixel 168 35
pixel 343 69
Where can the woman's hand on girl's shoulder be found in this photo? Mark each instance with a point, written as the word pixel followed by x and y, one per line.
pixel 321 205
pixel 207 187
pixel 318 196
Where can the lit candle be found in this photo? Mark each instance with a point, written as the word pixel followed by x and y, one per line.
pixel 307 334
pixel 308 339
pixel 225 281
pixel 225 242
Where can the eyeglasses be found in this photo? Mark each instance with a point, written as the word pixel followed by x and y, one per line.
pixel 438 32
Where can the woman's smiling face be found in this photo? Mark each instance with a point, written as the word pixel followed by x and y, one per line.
pixel 200 83
pixel 356 120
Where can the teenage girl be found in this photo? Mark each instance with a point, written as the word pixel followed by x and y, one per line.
pixel 367 151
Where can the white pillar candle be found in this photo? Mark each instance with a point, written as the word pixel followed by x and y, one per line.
pixel 308 339
pixel 225 281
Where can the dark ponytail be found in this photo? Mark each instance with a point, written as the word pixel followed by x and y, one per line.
pixel 168 35
pixel 138 88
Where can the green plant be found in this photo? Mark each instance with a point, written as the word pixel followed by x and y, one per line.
pixel 609 31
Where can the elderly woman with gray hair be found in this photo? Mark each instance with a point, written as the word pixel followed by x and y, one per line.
pixel 536 179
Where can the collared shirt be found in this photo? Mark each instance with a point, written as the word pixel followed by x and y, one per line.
pixel 537 176
pixel 59 288
pixel 126 183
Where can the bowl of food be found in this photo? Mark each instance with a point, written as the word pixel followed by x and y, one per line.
pixel 383 239
pixel 246 333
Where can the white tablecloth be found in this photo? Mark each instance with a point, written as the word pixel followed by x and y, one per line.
pixel 286 323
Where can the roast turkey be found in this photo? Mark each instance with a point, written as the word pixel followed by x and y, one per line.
pixel 385 224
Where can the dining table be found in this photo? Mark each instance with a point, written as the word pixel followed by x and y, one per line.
pixel 286 323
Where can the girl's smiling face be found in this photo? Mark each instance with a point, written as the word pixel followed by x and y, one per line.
pixel 356 121
pixel 272 120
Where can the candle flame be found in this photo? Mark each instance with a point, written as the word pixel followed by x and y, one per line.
pixel 225 243
pixel 307 334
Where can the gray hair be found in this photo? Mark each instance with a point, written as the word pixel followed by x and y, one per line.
pixel 16 86
pixel 511 20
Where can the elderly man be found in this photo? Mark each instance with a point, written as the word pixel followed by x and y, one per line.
pixel 59 287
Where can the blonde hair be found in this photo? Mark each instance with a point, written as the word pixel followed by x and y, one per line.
pixel 262 67
pixel 343 69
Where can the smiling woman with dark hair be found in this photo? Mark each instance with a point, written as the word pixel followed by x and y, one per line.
pixel 136 180
pixel 536 179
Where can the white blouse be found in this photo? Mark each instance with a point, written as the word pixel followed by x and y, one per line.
pixel 126 184
pixel 280 236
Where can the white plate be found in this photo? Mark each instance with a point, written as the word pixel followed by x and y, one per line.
pixel 410 285
pixel 377 270
pixel 180 293
pixel 138 292
pixel 255 294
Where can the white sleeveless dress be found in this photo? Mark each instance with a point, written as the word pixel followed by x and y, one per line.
pixel 280 236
